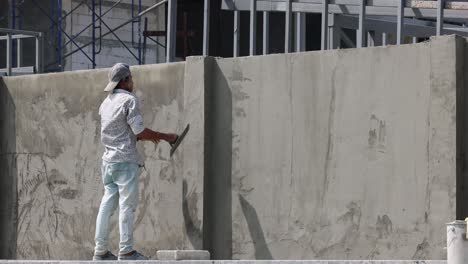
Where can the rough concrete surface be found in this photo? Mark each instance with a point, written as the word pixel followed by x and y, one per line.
pixel 57 158
pixel 347 154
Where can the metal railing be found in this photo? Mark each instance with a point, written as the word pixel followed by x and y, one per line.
pixel 10 35
pixel 371 19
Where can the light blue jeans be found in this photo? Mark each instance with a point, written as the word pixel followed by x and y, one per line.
pixel 120 188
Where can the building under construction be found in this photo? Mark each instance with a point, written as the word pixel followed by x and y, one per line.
pixel 319 129
pixel 65 35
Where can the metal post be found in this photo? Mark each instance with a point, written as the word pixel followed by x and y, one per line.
pixel 206 28
pixel 331 31
pixel 140 53
pixel 384 39
pixel 400 21
pixel 253 28
pixel 8 54
pixel 39 54
pixel 287 35
pixel 324 24
pixel 236 33
pixel 440 17
pixel 93 33
pixel 59 33
pixel 19 51
pixel 300 32
pixel 266 33
pixel 171 30
pixel 361 33
pixel 143 59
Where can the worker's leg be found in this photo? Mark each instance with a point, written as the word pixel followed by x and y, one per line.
pixel 127 181
pixel 106 210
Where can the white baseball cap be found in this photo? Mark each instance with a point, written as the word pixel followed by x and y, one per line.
pixel 117 73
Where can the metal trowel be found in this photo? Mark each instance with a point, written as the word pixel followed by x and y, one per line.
pixel 179 140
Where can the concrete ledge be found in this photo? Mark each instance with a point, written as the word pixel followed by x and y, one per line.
pixel 235 262
pixel 183 255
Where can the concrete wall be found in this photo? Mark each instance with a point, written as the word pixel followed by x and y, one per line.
pixel 347 154
pixel 56 153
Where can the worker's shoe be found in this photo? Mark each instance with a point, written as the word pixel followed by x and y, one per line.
pixel 107 256
pixel 134 255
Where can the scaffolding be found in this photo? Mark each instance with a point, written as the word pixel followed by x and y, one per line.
pixel 97 26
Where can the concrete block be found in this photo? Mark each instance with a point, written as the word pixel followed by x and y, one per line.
pixel 183 255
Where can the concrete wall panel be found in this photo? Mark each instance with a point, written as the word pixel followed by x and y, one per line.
pixel 345 154
pixel 348 154
pixel 58 155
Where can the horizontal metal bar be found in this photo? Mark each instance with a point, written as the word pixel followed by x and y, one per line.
pixel 17 37
pixel 28 69
pixel 24 32
pixel 412 27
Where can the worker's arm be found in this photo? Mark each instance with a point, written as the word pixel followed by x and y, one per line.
pixel 151 135
pixel 135 121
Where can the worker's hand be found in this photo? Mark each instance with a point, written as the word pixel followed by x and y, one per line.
pixel 156 141
pixel 171 138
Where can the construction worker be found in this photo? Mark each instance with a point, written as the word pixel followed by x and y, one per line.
pixel 121 127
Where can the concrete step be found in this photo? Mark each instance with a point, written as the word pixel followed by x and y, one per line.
pixel 183 255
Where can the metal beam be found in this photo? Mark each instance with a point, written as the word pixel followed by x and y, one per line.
pixel 253 28
pixel 23 70
pixel 400 18
pixel 332 33
pixel 300 32
pixel 19 53
pixel 171 30
pixel 287 35
pixel 440 17
pixel 324 28
pixel 39 54
pixel 206 28
pixel 236 33
pixel 9 51
pixel 266 32
pixel 16 37
pixel 361 32
pixel 384 39
pixel 19 32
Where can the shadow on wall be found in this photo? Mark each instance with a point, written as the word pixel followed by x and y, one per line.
pixel 217 214
pixel 255 230
pixel 8 206
pixel 193 229
pixel 462 128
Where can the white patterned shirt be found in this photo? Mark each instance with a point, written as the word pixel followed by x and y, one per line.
pixel 121 121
